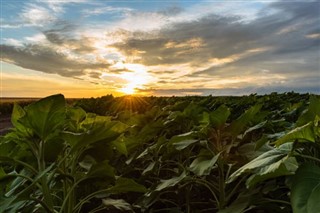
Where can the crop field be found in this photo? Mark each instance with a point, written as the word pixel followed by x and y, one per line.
pixel 163 154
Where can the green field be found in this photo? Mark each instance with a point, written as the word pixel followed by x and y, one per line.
pixel 163 154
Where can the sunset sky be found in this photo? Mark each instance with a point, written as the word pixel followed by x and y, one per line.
pixel 84 48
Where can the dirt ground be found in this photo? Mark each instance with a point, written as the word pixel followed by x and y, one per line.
pixel 5 124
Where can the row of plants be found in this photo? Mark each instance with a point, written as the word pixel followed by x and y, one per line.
pixel 178 154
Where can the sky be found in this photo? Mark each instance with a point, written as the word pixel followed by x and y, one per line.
pixel 85 48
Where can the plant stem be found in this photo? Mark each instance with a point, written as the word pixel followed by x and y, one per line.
pixel 221 185
pixel 308 157
pixel 278 201
pixel 42 166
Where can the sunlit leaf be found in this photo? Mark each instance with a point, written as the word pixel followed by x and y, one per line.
pixel 45 116
pixel 304 133
pixel 266 163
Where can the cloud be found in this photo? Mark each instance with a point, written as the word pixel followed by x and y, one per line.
pixel 46 59
pixel 275 46
pixel 13 42
pixel 62 35
pixel 227 47
pixel 106 10
pixel 37 15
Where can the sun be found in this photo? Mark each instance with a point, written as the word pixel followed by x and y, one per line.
pixel 129 90
pixel 134 80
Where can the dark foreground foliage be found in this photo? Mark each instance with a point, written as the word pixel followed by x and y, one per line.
pixel 177 154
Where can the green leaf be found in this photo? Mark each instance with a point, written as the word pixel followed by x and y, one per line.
pixel 53 147
pixel 238 206
pixel 97 129
pixel 102 169
pixel 75 116
pixel 288 167
pixel 312 111
pixel 184 144
pixel 258 126
pixel 244 120
pixel 217 118
pixel 182 141
pixel 45 116
pixel 203 164
pixel 170 182
pixel 123 185
pixel 120 146
pixel 305 190
pixel 304 133
pixel 149 168
pixel 127 185
pixel 117 203
pixel 266 163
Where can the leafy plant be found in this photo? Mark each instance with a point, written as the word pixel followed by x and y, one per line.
pixel 52 158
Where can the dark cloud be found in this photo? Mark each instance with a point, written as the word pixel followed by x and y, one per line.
pixel 283 33
pixel 95 75
pixel 45 59
pixel 61 34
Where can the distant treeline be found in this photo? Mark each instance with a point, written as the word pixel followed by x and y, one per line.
pixel 110 105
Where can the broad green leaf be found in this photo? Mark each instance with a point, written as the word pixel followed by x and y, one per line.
pixel 312 111
pixel 193 111
pixel 183 140
pixel 184 144
pixel 21 129
pixel 126 185
pixel 6 147
pixel 75 116
pixel 266 163
pixel 217 118
pixel 258 126
pixel 305 191
pixel 102 169
pixel 120 146
pixel 2 173
pixel 261 142
pixel 101 129
pixel 170 182
pixel 45 116
pixel 313 202
pixel 237 126
pixel 53 147
pixel 304 133
pixel 117 203
pixel 123 185
pixel 17 113
pixel 288 167
pixel 238 206
pixel 203 164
